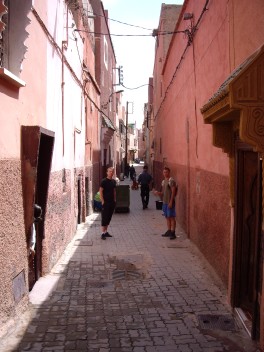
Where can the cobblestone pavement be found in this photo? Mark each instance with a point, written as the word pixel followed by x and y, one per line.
pixel 136 291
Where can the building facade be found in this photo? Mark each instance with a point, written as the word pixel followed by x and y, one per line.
pixel 120 139
pixel 208 115
pixel 50 138
pixel 105 73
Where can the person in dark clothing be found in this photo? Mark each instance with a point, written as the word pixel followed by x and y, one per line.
pixel 132 172
pixel 108 198
pixel 145 179
pixel 127 170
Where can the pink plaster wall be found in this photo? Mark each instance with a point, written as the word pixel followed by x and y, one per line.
pixel 59 227
pixel 209 213
pixel 39 103
pixel 203 210
pixel 246 27
pixel 25 105
pixel 228 33
pixel 60 224
pixel 13 252
pixel 18 106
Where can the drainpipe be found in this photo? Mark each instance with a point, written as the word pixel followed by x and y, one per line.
pixel 188 178
pixel 62 95
pixel 63 47
pixel 126 133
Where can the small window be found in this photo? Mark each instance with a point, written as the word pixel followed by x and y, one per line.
pixel 13 36
pixel 117 105
pixel 105 52
pixel 13 22
pixel 3 34
pixel 121 129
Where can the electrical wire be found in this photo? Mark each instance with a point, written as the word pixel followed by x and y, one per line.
pixel 62 56
pixel 147 84
pixel 77 48
pixel 111 19
pixel 126 24
pixel 129 35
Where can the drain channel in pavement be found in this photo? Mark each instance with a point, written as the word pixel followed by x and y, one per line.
pixel 219 322
pixel 129 267
pixel 98 284
pixel 126 275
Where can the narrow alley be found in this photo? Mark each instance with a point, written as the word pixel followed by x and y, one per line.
pixel 136 291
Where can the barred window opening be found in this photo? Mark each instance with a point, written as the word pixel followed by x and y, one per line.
pixel 14 34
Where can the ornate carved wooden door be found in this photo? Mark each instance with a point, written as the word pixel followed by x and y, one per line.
pixel 247 233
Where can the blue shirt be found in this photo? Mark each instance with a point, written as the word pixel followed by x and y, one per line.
pixel 144 178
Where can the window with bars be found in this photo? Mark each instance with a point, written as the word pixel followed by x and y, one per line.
pixel 3 36
pixel 13 23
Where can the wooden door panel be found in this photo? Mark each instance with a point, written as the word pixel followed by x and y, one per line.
pixel 247 230
pixel 248 233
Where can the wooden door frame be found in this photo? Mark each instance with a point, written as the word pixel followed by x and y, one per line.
pixel 79 199
pixel 35 168
pixel 241 146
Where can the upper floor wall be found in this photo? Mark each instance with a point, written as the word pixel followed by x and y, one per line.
pixel 169 15
pixel 211 39
pixel 105 60
pixel 48 90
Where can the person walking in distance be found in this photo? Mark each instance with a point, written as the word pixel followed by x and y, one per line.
pixel 168 194
pixel 127 167
pixel 107 192
pixel 132 172
pixel 144 179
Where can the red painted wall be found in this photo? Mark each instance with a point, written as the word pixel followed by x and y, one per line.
pixel 228 32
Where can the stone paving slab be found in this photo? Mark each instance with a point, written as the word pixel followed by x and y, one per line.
pixel 134 292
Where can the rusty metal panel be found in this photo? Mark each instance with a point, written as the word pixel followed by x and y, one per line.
pixel 36 157
pixel 30 139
